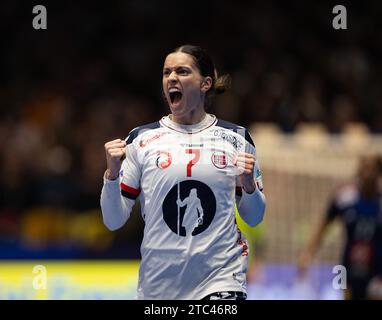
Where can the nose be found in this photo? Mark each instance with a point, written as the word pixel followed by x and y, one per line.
pixel 173 78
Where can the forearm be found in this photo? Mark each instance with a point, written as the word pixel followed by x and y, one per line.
pixel 115 209
pixel 251 207
pixel 316 239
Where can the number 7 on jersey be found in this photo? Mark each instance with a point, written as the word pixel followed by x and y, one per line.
pixel 194 160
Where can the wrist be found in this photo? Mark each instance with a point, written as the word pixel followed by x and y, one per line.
pixel 250 189
pixel 110 176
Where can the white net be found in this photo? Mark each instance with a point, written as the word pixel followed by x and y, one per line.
pixel 300 173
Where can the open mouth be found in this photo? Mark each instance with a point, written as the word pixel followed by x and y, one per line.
pixel 175 95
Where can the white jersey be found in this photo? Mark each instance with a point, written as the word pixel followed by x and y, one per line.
pixel 186 181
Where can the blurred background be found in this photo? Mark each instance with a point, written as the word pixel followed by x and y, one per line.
pixel 310 95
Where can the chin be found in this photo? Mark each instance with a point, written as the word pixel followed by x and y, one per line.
pixel 177 110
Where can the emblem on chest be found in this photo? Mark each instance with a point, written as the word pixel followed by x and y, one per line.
pixel 163 159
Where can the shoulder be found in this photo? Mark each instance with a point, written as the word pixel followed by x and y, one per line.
pixel 347 194
pixel 236 128
pixel 140 130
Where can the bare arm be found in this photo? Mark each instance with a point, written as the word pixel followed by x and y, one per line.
pixel 310 250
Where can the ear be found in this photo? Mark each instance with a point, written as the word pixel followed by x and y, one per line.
pixel 206 84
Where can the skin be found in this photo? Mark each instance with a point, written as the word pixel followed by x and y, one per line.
pixel 181 71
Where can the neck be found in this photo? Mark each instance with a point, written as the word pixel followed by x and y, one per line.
pixel 193 117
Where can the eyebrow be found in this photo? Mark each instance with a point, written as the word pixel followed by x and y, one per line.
pixel 178 67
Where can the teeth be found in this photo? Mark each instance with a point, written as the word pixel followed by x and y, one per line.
pixel 173 90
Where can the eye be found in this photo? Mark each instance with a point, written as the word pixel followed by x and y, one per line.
pixel 166 72
pixel 183 71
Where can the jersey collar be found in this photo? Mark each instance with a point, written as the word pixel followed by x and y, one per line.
pixel 208 121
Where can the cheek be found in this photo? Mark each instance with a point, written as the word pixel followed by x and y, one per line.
pixel 192 89
pixel 164 87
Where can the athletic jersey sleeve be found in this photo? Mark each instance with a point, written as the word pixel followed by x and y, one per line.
pixel 345 196
pixel 131 172
pixel 251 207
pixel 118 196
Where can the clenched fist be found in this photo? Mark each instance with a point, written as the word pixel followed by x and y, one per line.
pixel 115 153
pixel 246 164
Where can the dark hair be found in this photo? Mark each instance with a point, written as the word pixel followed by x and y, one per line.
pixel 379 160
pixel 204 63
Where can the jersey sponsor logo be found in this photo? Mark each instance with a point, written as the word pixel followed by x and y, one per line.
pixel 163 160
pixel 192 145
pixel 219 159
pixel 229 137
pixel 242 242
pixel 258 173
pixel 244 247
pixel 189 208
pixel 144 142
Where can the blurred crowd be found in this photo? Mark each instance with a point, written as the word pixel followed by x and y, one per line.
pixel 95 74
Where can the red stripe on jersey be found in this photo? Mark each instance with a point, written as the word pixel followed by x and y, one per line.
pixel 130 190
